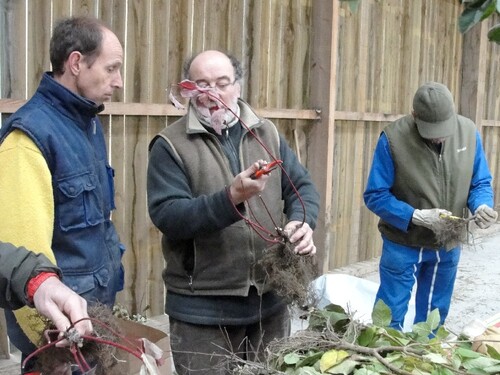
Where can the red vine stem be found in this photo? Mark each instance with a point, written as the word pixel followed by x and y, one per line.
pixel 192 86
pixel 82 364
pixel 136 353
pixel 39 350
pixel 257 227
pixel 79 359
pixel 108 328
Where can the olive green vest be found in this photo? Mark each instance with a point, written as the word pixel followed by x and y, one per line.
pixel 224 262
pixel 425 178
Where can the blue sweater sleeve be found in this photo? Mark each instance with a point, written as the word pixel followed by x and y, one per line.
pixel 481 191
pixel 378 194
pixel 172 206
pixel 174 210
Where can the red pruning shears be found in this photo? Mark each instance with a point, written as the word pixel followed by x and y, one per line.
pixel 265 169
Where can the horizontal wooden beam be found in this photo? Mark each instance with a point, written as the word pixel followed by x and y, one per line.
pixel 155 109
pixel 491 123
pixel 10 105
pixel 366 116
pixel 141 109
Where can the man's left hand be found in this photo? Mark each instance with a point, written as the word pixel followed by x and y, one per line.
pixel 485 216
pixel 63 306
pixel 301 235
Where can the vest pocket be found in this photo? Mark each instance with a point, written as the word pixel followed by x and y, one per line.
pixel 93 286
pixel 80 284
pixel 79 201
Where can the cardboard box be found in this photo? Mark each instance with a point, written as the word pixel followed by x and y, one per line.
pixel 484 333
pixel 130 364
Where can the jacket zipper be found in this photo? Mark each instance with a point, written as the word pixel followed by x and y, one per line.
pixel 191 283
pixel 443 183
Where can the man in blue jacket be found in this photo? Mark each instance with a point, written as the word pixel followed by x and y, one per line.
pixel 56 181
pixel 426 166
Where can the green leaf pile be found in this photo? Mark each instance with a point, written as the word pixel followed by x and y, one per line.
pixel 476 11
pixel 334 343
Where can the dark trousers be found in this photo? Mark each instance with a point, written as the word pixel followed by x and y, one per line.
pixel 19 340
pixel 214 350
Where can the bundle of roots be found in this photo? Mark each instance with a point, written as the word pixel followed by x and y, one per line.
pixel 101 357
pixel 452 230
pixel 290 274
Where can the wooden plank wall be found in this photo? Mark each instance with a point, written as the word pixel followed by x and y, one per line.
pixel 359 70
pixel 270 37
pixel 386 50
pixel 490 107
pixel 377 58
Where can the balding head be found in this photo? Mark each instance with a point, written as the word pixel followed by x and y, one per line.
pixel 211 56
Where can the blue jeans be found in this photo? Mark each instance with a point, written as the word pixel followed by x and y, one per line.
pixel 433 271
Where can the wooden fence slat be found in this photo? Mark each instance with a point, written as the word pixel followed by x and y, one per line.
pixel 4 341
pixel 17 81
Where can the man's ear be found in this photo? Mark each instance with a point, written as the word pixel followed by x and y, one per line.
pixel 238 89
pixel 73 62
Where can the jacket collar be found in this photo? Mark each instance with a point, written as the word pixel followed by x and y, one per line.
pixel 67 102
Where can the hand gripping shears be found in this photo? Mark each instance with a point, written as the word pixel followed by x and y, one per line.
pixel 265 169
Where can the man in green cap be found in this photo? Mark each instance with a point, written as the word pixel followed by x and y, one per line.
pixel 426 166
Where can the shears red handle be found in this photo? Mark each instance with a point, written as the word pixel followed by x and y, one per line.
pixel 266 169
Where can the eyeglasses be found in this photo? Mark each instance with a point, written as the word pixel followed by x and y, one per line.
pixel 220 84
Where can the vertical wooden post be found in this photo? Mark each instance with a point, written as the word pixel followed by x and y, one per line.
pixel 473 83
pixel 4 92
pixel 323 97
pixel 3 48
pixel 4 341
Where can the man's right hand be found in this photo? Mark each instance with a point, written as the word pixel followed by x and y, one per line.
pixel 244 186
pixel 430 218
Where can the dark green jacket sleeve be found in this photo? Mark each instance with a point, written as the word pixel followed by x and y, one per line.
pixel 17 266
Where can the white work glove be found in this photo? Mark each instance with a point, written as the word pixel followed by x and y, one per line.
pixel 430 218
pixel 485 216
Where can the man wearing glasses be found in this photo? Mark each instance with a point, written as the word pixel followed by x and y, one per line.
pixel 206 198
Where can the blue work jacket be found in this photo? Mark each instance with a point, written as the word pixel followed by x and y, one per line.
pixel 66 129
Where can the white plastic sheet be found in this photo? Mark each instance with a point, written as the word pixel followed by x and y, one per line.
pixel 355 295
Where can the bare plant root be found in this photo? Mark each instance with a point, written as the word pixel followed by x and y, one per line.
pixel 101 357
pixel 290 274
pixel 452 230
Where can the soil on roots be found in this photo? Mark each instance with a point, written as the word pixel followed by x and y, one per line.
pixel 100 357
pixel 290 274
pixel 452 231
